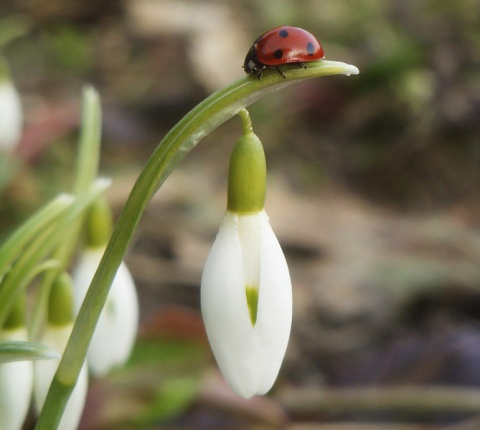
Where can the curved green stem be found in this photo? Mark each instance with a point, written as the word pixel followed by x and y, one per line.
pixel 199 122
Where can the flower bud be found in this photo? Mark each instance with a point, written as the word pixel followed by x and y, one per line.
pixel 98 224
pixel 247 175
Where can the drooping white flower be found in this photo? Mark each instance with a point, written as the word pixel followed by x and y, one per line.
pixel 56 334
pixel 246 260
pixel 16 381
pixel 117 326
pixel 246 292
pixel 57 337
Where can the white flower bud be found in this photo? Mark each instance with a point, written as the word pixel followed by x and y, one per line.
pixel 246 302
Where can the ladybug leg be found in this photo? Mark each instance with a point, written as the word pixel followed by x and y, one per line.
pixel 278 70
pixel 260 71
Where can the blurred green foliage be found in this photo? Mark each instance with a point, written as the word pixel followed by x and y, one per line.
pixel 71 48
pixel 160 382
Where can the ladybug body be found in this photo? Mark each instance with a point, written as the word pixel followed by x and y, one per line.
pixel 282 45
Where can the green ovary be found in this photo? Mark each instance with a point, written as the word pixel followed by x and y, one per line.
pixel 252 302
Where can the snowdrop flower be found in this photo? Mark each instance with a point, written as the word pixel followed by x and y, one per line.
pixel 11 114
pixel 16 378
pixel 117 326
pixel 56 335
pixel 246 292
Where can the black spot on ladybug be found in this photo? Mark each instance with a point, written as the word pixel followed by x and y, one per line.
pixel 283 33
pixel 310 48
pixel 278 54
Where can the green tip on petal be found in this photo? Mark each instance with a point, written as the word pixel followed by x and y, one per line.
pixel 60 305
pixel 252 301
pixel 247 173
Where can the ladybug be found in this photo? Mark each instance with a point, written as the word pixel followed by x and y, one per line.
pixel 282 45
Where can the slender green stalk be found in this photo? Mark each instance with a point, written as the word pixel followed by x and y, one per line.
pixel 198 123
pixel 86 171
pixel 88 157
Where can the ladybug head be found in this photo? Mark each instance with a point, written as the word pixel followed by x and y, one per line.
pixel 251 64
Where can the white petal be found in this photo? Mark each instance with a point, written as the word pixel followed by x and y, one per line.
pixel 248 356
pixel 117 327
pixel 44 370
pixel 225 310
pixel 16 381
pixel 250 242
pixel 274 318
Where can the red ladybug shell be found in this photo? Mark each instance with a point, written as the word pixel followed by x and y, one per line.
pixel 282 45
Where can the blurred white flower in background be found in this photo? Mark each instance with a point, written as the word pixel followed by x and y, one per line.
pixel 11 114
pixel 16 380
pixel 56 334
pixel 57 338
pixel 117 326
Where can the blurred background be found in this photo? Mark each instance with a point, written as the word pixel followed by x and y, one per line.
pixel 373 193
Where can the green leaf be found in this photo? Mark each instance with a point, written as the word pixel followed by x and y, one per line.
pixel 21 351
